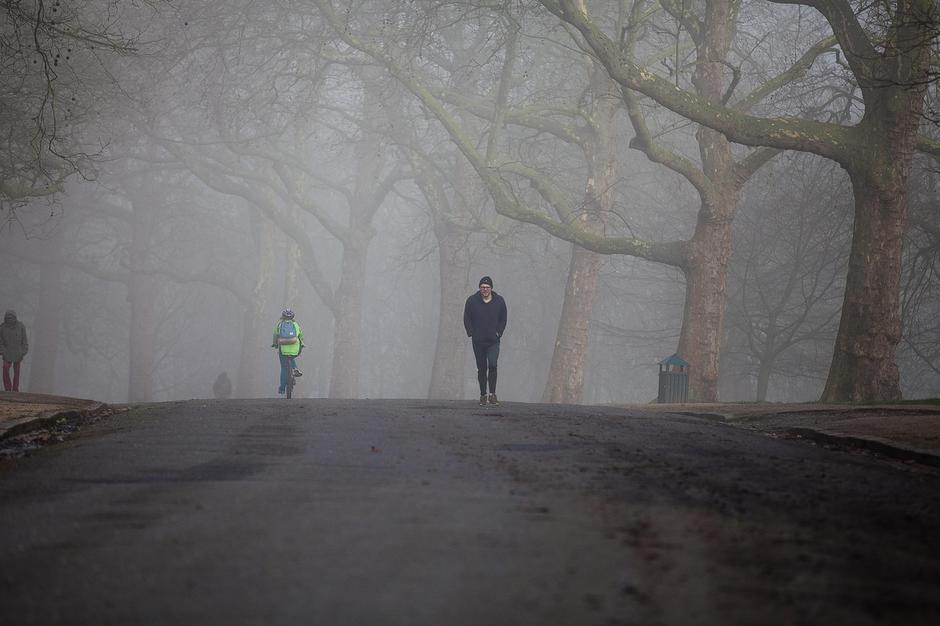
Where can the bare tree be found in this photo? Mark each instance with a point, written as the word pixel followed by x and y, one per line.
pixel 919 351
pixel 787 273
pixel 892 72
pixel 718 180
pixel 55 60
pixel 287 145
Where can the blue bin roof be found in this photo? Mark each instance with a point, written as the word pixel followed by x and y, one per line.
pixel 675 359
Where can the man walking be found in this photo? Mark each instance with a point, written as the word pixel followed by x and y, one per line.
pixel 13 347
pixel 484 318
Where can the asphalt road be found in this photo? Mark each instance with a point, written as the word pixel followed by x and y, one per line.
pixel 413 512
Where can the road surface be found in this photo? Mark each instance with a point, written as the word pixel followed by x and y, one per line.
pixel 446 513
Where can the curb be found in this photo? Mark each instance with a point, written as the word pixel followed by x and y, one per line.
pixel 23 425
pixel 873 444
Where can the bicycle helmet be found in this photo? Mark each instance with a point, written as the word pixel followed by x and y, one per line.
pixel 287 314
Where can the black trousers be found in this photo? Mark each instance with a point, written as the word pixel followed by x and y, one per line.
pixel 486 356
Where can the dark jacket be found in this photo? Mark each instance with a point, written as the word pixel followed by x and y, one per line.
pixel 485 321
pixel 222 387
pixel 13 343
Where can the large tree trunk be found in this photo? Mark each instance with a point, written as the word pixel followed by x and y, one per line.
pixel 566 374
pixel 864 362
pixel 706 274
pixel 453 262
pixel 344 380
pixel 718 180
pixel 368 194
pixel 292 260
pixel 709 250
pixel 864 365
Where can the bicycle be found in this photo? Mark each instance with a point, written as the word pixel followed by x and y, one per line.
pixel 289 390
pixel 291 378
pixel 287 333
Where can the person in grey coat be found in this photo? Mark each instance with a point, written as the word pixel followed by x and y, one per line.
pixel 13 347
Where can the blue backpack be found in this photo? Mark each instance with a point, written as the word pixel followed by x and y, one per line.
pixel 287 333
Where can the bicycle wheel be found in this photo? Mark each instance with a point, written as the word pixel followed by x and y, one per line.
pixel 290 383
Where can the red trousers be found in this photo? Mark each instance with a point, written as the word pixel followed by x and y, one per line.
pixel 11 385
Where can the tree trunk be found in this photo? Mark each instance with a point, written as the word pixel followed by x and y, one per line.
pixel 454 261
pixel 706 273
pixel 344 379
pixel 864 362
pixel 292 260
pixel 709 250
pixel 764 370
pixel 864 365
pixel 367 195
pixel 718 180
pixel 763 379
pixel 769 353
pixel 566 375
pixel 450 348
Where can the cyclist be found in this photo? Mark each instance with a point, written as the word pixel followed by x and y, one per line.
pixel 289 341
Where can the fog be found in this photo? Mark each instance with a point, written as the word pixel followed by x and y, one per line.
pixel 178 173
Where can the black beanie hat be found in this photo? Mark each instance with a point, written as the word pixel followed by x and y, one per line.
pixel 486 280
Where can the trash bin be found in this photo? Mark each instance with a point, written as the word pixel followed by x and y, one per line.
pixel 673 380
